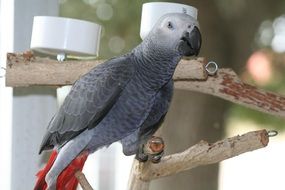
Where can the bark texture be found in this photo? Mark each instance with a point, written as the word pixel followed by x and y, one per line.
pixel 202 153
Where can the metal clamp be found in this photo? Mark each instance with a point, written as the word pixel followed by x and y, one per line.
pixel 212 68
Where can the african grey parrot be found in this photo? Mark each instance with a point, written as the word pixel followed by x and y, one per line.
pixel 124 99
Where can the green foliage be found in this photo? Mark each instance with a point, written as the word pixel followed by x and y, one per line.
pixel 242 113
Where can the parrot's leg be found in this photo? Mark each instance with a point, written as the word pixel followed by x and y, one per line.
pixel 66 154
pixel 141 156
pixel 154 148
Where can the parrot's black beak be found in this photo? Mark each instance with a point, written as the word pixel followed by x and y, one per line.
pixel 191 42
pixel 195 40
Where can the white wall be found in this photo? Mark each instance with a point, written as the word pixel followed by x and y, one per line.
pixel 6 44
pixel 32 107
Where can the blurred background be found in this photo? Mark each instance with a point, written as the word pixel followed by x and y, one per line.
pixel 248 36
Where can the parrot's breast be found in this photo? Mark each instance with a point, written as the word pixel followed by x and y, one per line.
pixel 126 116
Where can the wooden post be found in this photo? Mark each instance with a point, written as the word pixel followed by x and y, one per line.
pixel 32 107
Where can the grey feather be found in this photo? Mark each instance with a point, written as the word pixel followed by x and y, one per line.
pixel 90 98
pixel 155 118
pixel 124 99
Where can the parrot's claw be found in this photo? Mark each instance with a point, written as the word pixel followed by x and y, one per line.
pixel 152 150
pixel 157 157
pixel 156 148
pixel 141 157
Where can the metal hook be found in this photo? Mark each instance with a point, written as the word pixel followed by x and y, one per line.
pixel 211 68
pixel 272 133
pixel 3 68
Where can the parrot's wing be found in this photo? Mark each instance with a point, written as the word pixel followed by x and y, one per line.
pixel 89 100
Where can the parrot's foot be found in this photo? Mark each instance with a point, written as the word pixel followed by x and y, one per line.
pixel 156 147
pixel 141 156
pixel 155 158
pixel 153 150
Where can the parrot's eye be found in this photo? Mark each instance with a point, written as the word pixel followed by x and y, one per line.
pixel 189 26
pixel 170 25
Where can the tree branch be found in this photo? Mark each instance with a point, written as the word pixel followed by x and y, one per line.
pixel 26 70
pixel 202 153
pixel 83 181
pixel 227 85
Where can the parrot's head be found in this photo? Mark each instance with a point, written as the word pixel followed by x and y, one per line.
pixel 177 32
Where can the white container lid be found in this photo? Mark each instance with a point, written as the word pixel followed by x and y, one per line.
pixel 57 35
pixel 151 12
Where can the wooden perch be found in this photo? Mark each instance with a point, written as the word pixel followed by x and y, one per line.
pixel 26 70
pixel 83 181
pixel 227 85
pixel 202 153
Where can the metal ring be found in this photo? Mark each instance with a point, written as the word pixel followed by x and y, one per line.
pixel 3 68
pixel 211 68
pixel 61 57
pixel 272 133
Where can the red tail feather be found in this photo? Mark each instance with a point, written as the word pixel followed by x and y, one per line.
pixel 66 180
pixel 41 183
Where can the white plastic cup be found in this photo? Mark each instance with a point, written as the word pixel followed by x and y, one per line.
pixel 151 12
pixel 57 35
